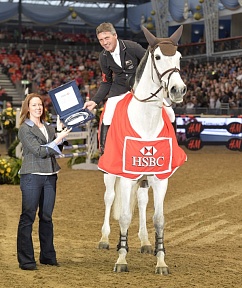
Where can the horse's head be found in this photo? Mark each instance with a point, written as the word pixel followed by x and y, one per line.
pixel 166 64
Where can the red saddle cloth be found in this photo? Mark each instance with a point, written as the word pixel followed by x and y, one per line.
pixel 129 156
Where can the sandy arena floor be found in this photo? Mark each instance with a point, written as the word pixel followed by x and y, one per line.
pixel 203 231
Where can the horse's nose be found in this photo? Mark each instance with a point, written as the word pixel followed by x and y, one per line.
pixel 179 90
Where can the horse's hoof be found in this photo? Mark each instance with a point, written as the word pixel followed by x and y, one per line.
pixel 103 245
pixel 162 270
pixel 120 268
pixel 146 249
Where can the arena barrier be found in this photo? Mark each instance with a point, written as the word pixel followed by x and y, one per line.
pixel 196 131
pixel 74 154
pixel 90 137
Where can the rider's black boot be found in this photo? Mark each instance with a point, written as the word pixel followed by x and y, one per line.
pixel 103 135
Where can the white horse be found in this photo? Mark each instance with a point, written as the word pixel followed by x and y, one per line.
pixel 141 147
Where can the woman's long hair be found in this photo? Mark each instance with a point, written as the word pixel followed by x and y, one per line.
pixel 25 107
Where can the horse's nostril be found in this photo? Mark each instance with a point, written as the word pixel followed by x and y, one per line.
pixel 184 90
pixel 173 89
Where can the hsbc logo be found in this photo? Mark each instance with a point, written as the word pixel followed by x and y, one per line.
pixel 148 159
pixel 148 151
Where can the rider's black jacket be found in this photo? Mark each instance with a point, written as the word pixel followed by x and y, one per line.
pixel 114 77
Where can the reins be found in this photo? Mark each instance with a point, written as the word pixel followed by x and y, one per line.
pixel 160 76
pixel 148 98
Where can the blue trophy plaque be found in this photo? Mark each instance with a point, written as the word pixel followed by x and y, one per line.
pixel 68 104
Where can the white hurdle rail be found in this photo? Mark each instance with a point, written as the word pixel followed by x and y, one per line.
pixel 90 134
pixel 74 154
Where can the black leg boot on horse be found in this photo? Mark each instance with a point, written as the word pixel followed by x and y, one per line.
pixel 103 135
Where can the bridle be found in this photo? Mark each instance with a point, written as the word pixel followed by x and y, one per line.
pixel 160 76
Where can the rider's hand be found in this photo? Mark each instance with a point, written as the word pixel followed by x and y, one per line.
pixel 90 105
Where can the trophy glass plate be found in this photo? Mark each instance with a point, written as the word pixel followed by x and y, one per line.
pixel 68 104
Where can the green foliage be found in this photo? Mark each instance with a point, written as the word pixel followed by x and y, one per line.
pixel 95 157
pixel 8 118
pixel 76 160
pixel 9 168
pixel 79 159
pixel 77 142
pixel 12 148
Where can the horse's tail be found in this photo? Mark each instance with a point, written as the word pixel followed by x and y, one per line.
pixel 117 204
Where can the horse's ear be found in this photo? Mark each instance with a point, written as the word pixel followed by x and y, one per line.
pixel 152 40
pixel 175 37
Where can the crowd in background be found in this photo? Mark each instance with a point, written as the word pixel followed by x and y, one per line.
pixel 45 70
pixel 47 34
pixel 208 83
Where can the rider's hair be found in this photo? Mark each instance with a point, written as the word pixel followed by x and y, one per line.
pixel 106 27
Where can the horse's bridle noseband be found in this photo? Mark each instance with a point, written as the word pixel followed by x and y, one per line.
pixel 160 76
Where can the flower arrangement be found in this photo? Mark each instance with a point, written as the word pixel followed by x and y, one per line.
pixel 8 118
pixel 9 168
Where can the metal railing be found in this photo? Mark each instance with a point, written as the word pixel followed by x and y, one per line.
pixel 237 112
pixel 222 47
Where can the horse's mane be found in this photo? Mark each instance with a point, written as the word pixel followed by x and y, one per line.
pixel 140 68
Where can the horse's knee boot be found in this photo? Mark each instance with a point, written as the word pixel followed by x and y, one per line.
pixel 103 135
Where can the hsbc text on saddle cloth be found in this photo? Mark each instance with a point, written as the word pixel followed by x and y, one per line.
pixel 147 156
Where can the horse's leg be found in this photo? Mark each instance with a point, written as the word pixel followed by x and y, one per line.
pixel 121 265
pixel 142 196
pixel 159 192
pixel 109 181
pixel 124 222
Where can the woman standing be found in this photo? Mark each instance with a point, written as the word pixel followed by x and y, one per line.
pixel 38 176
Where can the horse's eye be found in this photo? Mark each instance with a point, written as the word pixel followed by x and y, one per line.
pixel 157 57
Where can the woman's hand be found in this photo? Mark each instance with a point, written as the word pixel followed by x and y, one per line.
pixel 61 135
pixel 59 124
